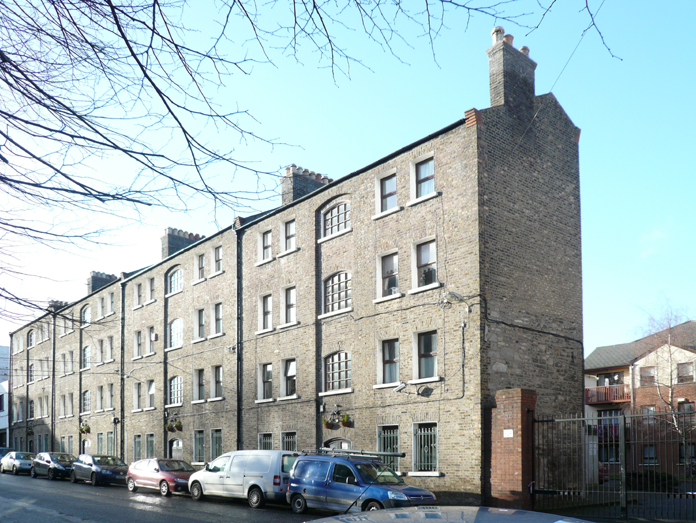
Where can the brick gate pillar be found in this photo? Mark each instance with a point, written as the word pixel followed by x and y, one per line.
pixel 511 448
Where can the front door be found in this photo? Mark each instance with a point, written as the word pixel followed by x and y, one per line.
pixel 176 449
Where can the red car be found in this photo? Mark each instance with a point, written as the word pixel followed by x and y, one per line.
pixel 165 475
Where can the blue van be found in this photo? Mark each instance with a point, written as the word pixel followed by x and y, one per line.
pixel 354 484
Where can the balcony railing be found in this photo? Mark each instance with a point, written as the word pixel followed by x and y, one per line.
pixel 607 394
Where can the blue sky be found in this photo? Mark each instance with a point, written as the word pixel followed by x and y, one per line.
pixel 636 113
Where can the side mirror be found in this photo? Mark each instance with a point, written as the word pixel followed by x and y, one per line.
pixel 350 480
pixel 207 466
pixel 156 469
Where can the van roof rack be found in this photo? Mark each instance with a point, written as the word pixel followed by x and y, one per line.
pixel 361 453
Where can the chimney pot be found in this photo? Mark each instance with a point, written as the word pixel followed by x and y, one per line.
pixel 508 39
pixel 524 50
pixel 497 34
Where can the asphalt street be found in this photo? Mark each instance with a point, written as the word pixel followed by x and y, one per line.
pixel 27 500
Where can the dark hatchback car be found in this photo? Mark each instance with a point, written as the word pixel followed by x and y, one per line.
pixel 99 470
pixel 54 465
pixel 165 475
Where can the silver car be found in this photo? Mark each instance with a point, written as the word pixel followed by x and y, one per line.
pixel 16 462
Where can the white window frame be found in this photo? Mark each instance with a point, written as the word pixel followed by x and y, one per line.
pixel 100 398
pixel 261 311
pixel 214 260
pixel 380 363
pixel 151 288
pixel 85 357
pixel 378 279
pixel 199 324
pixel 137 396
pixel 283 303
pixel 260 383
pixel 199 267
pixel 283 379
pixel 412 179
pixel 415 287
pixel 150 341
pixel 179 283
pixel 150 394
pixel 137 345
pixel 416 362
pixel 197 375
pixel 260 247
pixel 213 382
pixel 138 295
pixel 323 296
pixel 378 195
pixel 180 391
pixel 284 238
pixel 179 338
pixel 217 307
pixel 325 237
pixel 109 349
pixel 112 301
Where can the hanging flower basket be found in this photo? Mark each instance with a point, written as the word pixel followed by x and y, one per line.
pixel 85 429
pixel 178 426
pixel 328 424
pixel 170 427
pixel 345 421
pixel 30 432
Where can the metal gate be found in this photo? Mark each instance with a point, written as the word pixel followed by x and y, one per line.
pixel 637 465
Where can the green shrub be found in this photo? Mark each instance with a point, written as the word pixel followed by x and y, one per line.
pixel 651 481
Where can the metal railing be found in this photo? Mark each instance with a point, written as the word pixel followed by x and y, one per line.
pixel 607 394
pixel 425 447
pixel 388 441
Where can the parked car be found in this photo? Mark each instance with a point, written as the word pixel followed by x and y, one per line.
pixel 257 475
pixel 343 484
pixel 54 465
pixel 603 474
pixel 99 470
pixel 4 451
pixel 16 462
pixel 165 475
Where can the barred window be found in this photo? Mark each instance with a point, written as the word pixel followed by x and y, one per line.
pixel 337 292
pixel 338 371
pixel 198 446
pixel 289 441
pixel 388 441
pixel 337 219
pixel 216 444
pixel 266 441
pixel 425 447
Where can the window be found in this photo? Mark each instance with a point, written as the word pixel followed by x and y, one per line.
pixel 198 446
pixel 138 344
pixel 265 316
pixel 149 445
pixel 647 376
pixel 69 361
pixel 266 245
pixel 338 371
pixel 150 394
pixel 289 234
pixel 62 444
pixel 86 352
pixel 265 441
pixel 217 382
pixel 110 443
pixel 138 295
pixel 101 306
pixel 100 443
pixel 69 450
pixel 112 300
pixel 20 411
pixel 215 443
pixel 685 372
pixel 137 396
pixel 687 407
pixel 69 404
pixel 289 378
pixel 174 338
pixel 690 448
pixel 425 447
pixel 175 281
pixel 288 441
pixel 337 292
pixel 290 305
pixel 387 193
pixel 388 441
pixel 176 390
pixel 218 318
pixel 100 397
pixel 100 351
pixel 426 264
pixel 137 447
pixel 30 373
pixel 201 266
pixel 266 381
pixel 649 456
pixel 390 274
pixel 648 413
pixel 218 259
pixel 425 178
pixel 199 384
pixel 31 339
pixel 86 404
pixel 109 396
pixel 151 340
pixel 85 316
pixel 31 410
pixel 109 348
pixel 200 323
pixel 150 289
pixel 609 452
pixel 337 219
pixel 427 354
pixel 390 361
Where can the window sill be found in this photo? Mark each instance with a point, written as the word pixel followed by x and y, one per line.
pixel 173 293
pixel 198 340
pixel 218 273
pixel 108 409
pixel 137 307
pixel 85 413
pixel 149 354
pixel 68 374
pixel 264 262
pixel 136 358
pixel 30 382
pixel 98 410
pixel 173 348
pixel 389 298
pixel 269 400
pixel 286 398
pixel 386 385
pixel 285 253
pixel 199 280
pixel 173 405
pixel 220 398
pixel 69 416
pixel 109 361
pixel 69 332
pixel 286 325
pixel 197 402
pixel 425 474
pixel 99 364
pixel 61 417
pixel 335 235
pixel 430 287
pixel 387 213
pixel 84 368
pixel 147 409
pixel 137 410
pixel 109 314
pixel 85 325
pixel 216 335
pixel 424 380
pixel 264 331
pixel 334 313
pixel 149 302
pixel 336 392
pixel 423 199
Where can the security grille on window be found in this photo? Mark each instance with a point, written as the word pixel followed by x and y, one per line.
pixel 425 178
pixel 685 372
pixel 425 447
pixel 218 318
pixel 387 189
pixel 647 376
pixel 427 354
pixel 176 390
pixel 288 441
pixel 218 259
pixel 149 445
pixel 337 219
pixel 426 259
pixel 388 441
pixel 217 374
pixel 390 361
pixel 390 274
pixel 290 304
pixel 215 443
pixel 338 292
pixel 175 281
pixel 338 371
pixel 687 453
pixel 290 235
pixel 265 441
pixel 137 447
pixel 267 380
pixel 266 304
pixel 266 245
pixel 201 266
pixel 290 377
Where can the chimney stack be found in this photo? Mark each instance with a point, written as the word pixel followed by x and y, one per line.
pixel 97 280
pixel 299 182
pixel 175 240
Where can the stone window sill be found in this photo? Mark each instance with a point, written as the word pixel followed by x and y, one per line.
pixel 173 405
pixel 216 399
pixel 269 400
pixel 285 398
pixel 264 331
pixel 430 287
pixel 389 298
pixel 216 335
pixel 336 392
pixel 264 262
pixel 173 348
pixel 216 274
pixel 420 200
pixel 140 306
pixel 136 358
pixel 285 253
pixel 419 381
pixel 286 325
pixel 173 293
pixel 335 235
pixel 387 213
pixel 432 474
pixel 196 402
pixel 198 340
pixel 200 280
pixel 334 313
pixel 386 385
pixel 146 409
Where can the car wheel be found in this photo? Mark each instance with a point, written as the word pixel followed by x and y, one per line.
pixel 132 486
pixel 299 504
pixel 196 491
pixel 94 479
pixel 73 477
pixel 373 505
pixel 256 499
pixel 15 470
pixel 32 472
pixel 164 488
pixel 51 474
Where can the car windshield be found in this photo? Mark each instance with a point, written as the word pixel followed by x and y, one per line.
pixel 109 461
pixel 175 466
pixel 24 455
pixel 378 473
pixel 62 457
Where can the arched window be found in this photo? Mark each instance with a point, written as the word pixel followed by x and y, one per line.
pixel 174 334
pixel 338 371
pixel 338 443
pixel 337 219
pixel 31 339
pixel 337 292
pixel 176 390
pixel 85 316
pixel 175 280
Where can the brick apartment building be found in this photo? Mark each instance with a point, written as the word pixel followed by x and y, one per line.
pixel 397 299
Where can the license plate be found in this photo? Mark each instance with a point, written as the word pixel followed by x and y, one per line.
pixel 120 477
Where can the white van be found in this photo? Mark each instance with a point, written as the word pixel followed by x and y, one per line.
pixel 258 475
